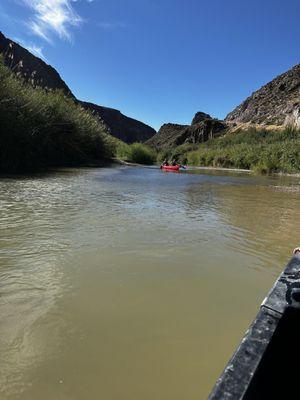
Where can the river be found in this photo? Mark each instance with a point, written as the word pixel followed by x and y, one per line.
pixel 132 283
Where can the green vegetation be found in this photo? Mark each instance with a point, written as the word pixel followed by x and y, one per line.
pixel 42 128
pixel 136 153
pixel 261 150
pixel 179 153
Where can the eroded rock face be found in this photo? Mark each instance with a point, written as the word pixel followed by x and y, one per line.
pixel 32 68
pixel 293 119
pixel 276 103
pixel 204 130
pixel 200 117
pixel 125 128
pixel 173 135
pixel 38 73
pixel 168 136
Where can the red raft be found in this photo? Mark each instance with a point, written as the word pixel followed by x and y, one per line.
pixel 170 167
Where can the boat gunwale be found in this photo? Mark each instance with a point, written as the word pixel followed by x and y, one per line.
pixel 240 370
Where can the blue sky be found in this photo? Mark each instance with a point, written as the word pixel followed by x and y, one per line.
pixel 160 60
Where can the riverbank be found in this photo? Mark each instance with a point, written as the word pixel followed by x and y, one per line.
pixel 44 129
pixel 189 168
pixel 260 150
pixel 131 164
pixel 202 168
pixel 241 170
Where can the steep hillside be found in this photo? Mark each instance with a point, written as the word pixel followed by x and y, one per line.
pixel 276 103
pixel 32 68
pixel 125 128
pixel 38 73
pixel 203 128
pixel 168 136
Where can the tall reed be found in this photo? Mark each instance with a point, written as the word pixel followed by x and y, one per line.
pixel 41 128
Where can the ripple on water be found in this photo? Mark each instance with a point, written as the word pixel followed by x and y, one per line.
pixel 118 246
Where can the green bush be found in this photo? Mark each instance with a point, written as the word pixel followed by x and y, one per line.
pixel 123 150
pixel 260 150
pixel 42 128
pixel 163 155
pixel 136 153
pixel 180 153
pixel 193 158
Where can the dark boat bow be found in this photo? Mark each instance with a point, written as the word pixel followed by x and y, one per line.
pixel 266 363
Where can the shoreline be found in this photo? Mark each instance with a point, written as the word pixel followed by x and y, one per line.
pixel 130 164
pixel 221 169
pixel 114 160
pixel 199 168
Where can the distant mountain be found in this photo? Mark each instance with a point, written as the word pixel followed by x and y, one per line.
pixel 38 73
pixel 202 128
pixel 276 103
pixel 125 128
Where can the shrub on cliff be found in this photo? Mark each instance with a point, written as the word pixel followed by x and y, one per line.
pixel 42 128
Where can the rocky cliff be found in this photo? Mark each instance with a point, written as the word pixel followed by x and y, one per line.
pixel 199 117
pixel 38 73
pixel 203 128
pixel 168 136
pixel 125 128
pixel 32 68
pixel 276 103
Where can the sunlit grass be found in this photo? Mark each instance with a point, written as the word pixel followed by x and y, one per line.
pixel 257 149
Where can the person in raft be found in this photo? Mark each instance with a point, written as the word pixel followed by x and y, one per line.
pixel 174 162
pixel 165 163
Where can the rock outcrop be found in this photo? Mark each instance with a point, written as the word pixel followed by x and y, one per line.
pixel 203 128
pixel 276 103
pixel 200 117
pixel 38 73
pixel 169 135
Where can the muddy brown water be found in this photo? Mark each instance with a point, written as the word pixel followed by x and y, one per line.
pixel 130 283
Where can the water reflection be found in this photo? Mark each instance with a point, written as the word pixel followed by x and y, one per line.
pixel 131 283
